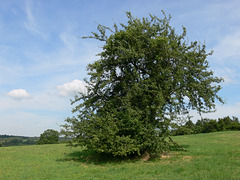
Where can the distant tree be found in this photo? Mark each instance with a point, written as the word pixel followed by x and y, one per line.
pixel 199 126
pixel 189 124
pixel 182 129
pixel 226 123
pixel 49 136
pixel 235 123
pixel 211 126
pixel 221 124
pixel 235 119
pixel 146 76
pixel 29 142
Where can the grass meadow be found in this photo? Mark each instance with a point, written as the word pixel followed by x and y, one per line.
pixel 206 156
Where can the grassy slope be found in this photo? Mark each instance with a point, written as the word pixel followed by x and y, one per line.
pixel 208 156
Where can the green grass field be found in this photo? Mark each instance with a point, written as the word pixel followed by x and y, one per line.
pixel 207 156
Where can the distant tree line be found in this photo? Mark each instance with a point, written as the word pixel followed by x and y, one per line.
pixel 49 136
pixel 8 140
pixel 207 125
pixel 12 136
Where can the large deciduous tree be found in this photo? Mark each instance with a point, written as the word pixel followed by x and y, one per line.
pixel 145 77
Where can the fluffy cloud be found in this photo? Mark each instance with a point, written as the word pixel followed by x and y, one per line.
pixel 72 87
pixel 19 94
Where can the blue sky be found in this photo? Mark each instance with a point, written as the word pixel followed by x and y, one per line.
pixel 43 61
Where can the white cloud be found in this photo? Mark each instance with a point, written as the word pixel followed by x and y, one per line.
pixel 19 94
pixel 40 112
pixel 72 87
pixel 30 24
pixel 69 40
pixel 73 56
pixel 228 80
pixel 49 101
pixel 226 58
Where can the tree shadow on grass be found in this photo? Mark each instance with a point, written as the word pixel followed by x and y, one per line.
pixel 91 157
pixel 179 147
pixel 176 147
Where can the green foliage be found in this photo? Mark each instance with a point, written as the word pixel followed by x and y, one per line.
pixel 49 136
pixel 227 123
pixel 146 76
pixel 181 130
pixel 13 142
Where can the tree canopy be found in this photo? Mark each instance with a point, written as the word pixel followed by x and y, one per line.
pixel 49 136
pixel 146 76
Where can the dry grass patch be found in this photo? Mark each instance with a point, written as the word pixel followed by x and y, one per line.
pixel 187 158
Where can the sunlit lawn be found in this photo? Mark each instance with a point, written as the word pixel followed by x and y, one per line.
pixel 207 156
